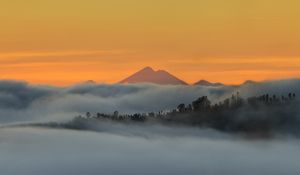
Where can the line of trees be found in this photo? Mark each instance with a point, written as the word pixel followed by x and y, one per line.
pixel 260 115
pixel 201 105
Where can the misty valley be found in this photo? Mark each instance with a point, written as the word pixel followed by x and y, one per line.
pixel 150 129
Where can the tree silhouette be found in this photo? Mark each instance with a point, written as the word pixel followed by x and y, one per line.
pixel 181 107
pixel 201 103
pixel 88 114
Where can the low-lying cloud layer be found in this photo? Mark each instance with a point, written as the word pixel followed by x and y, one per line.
pixel 33 151
pixel 119 148
pixel 20 101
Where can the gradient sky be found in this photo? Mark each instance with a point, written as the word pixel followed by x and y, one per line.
pixel 62 42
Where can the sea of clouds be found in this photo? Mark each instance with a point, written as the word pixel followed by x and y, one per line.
pixel 117 148
pixel 20 101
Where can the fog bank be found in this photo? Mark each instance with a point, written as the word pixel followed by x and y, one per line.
pixel 34 151
pixel 21 102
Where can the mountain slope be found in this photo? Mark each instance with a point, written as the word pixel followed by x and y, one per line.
pixel 148 75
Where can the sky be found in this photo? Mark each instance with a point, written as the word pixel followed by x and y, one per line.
pixel 62 42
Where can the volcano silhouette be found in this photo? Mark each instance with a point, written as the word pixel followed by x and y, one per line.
pixel 148 75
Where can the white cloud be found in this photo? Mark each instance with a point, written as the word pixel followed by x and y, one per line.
pixel 130 148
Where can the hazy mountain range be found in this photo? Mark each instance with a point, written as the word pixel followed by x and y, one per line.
pixel 162 77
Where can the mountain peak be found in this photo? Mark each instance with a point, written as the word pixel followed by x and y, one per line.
pixel 147 69
pixel 148 75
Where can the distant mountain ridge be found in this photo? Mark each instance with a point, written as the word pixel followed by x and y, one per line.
pixel 162 77
pixel 148 75
pixel 207 83
pixel 249 82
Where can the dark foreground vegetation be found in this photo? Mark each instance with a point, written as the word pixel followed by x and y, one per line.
pixel 258 116
pixel 261 115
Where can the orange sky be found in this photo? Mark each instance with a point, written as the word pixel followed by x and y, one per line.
pixel 63 42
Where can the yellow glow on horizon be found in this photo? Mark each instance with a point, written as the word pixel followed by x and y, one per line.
pixel 63 42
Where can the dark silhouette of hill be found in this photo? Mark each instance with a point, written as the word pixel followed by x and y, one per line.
pixel 148 75
pixel 249 82
pixel 207 83
pixel 258 116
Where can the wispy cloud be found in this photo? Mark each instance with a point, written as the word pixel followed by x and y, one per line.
pixel 34 56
